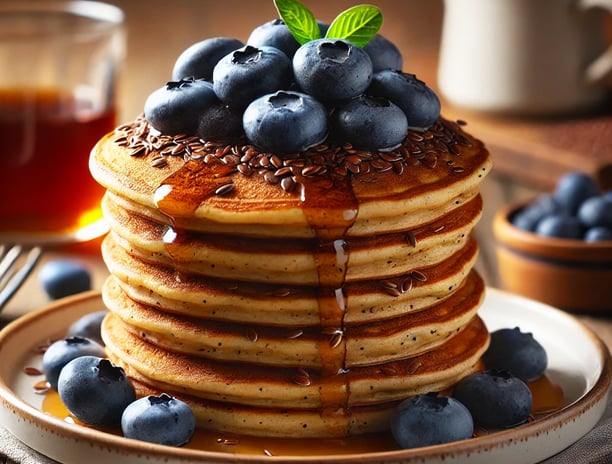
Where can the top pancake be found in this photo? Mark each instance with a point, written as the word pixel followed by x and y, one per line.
pixel 325 191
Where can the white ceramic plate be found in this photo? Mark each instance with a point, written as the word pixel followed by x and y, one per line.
pixel 578 361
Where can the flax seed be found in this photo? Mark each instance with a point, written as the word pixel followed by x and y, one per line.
pixel 252 335
pixel 225 189
pixel 418 275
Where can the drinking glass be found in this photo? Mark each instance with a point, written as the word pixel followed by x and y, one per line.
pixel 59 64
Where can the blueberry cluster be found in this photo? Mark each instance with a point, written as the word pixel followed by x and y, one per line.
pixel 577 209
pixel 285 97
pixel 99 393
pixel 495 398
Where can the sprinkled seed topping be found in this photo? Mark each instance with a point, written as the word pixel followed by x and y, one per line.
pixel 398 286
pixel 418 275
pixel 410 237
pixel 302 378
pixel 252 335
pixel 419 149
pixel 41 387
pixel 32 371
pixel 228 441
pixel 295 334
pixel 336 339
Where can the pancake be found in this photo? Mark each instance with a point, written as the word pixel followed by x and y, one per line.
pixel 262 260
pixel 444 167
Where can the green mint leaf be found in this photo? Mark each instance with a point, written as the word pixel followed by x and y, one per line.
pixel 299 20
pixel 357 24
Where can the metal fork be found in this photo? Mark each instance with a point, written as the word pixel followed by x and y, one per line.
pixel 16 264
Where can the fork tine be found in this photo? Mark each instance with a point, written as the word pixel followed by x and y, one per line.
pixel 9 260
pixel 13 284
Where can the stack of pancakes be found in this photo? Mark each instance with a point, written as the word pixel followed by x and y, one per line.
pixel 299 295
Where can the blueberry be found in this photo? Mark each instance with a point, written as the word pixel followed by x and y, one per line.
pixel 560 226
pixel 517 352
pixel 159 419
pixel 285 121
pixel 529 217
pixel 275 34
pixel 219 122
pixel 526 219
pixel 430 420
pixel 596 211
pixel 370 123
pixel 419 102
pixel 332 70
pixel 95 391
pixel 496 399
pixel 61 352
pixel 573 189
pixel 88 326
pixel 249 73
pixel 176 107
pixel 597 234
pixel 383 53
pixel 60 278
pixel 199 59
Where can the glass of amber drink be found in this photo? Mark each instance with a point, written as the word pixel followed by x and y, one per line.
pixel 59 64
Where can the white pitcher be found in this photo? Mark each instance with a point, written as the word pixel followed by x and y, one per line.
pixel 533 57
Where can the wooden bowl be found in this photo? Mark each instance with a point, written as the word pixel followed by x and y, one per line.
pixel 569 274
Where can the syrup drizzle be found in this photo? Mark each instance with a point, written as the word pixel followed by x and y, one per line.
pixel 331 208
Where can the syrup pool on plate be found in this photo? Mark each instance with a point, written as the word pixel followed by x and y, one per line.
pixel 547 396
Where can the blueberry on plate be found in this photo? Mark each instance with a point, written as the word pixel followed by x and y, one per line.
pixel 573 189
pixel 560 226
pixel 176 107
pixel 496 399
pixel 250 72
pixel 430 419
pixel 597 234
pixel 60 278
pixel 517 352
pixel 61 352
pixel 370 123
pixel 596 211
pixel 95 391
pixel 159 419
pixel 285 121
pixel 199 59
pixel 88 326
pixel 383 53
pixel 420 104
pixel 332 70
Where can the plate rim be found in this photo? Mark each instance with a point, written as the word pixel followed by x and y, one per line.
pixel 597 393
